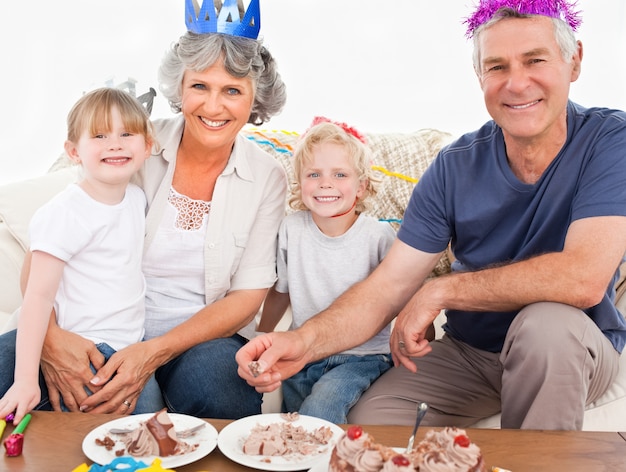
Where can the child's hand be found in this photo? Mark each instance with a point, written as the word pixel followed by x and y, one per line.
pixel 21 398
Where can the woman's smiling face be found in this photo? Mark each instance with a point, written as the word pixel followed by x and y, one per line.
pixel 216 105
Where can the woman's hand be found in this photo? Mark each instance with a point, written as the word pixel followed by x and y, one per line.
pixel 121 380
pixel 65 360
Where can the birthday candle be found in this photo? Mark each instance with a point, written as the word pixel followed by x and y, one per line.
pixel 3 425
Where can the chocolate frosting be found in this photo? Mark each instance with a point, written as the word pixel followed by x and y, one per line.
pixel 155 437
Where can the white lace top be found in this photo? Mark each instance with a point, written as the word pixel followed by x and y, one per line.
pixel 191 214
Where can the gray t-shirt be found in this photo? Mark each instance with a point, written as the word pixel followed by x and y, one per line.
pixel 315 269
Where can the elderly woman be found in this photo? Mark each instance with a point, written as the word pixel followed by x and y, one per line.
pixel 215 203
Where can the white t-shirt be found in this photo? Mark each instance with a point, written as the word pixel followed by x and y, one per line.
pixel 102 289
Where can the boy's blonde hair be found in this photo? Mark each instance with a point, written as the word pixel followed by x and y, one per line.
pixel 92 113
pixel 328 132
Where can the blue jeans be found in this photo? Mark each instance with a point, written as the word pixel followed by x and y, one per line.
pixel 147 402
pixel 203 382
pixel 329 388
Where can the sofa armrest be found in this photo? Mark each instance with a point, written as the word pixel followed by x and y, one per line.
pixel 18 202
pixel 11 258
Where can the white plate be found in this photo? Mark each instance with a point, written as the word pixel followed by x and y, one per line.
pixel 323 466
pixel 206 439
pixel 231 439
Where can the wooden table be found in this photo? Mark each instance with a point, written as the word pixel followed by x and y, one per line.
pixel 52 443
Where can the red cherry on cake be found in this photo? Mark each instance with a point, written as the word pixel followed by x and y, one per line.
pixel 462 440
pixel 355 432
pixel 400 460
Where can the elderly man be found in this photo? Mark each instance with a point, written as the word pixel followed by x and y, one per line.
pixel 534 207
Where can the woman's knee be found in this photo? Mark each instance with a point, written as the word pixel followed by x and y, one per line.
pixel 203 381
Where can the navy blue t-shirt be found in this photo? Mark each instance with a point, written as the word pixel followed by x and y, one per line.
pixel 469 197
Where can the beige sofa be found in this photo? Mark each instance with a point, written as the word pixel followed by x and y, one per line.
pixel 400 160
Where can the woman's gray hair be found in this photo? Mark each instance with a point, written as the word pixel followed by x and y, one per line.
pixel 243 57
pixel 563 34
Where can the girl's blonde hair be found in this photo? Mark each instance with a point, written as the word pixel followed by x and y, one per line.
pixel 328 132
pixel 92 113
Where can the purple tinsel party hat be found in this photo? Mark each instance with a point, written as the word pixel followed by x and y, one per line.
pixel 561 9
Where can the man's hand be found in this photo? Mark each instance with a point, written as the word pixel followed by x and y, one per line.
pixel 65 360
pixel 413 329
pixel 278 356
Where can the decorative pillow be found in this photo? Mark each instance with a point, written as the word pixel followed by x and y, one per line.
pixel 400 159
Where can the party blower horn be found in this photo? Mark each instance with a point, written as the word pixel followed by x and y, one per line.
pixel 14 443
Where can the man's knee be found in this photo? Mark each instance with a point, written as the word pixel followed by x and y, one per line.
pixel 545 329
pixel 548 318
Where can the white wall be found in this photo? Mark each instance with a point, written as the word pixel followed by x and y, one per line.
pixel 389 65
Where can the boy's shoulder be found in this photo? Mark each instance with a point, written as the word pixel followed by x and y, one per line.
pixel 376 225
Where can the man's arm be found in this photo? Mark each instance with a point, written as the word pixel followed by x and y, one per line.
pixel 370 305
pixel 578 276
pixel 362 311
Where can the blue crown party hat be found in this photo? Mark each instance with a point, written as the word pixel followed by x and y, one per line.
pixel 206 19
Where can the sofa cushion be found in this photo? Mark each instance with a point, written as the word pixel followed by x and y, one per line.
pixel 11 256
pixel 601 415
pixel 19 200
